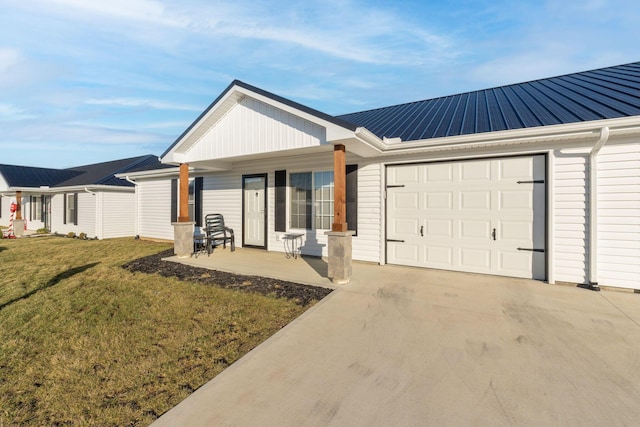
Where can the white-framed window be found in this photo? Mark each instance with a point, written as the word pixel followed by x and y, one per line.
pixel 311 200
pixel 36 208
pixel 71 208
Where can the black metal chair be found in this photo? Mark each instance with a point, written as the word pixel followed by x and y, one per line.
pixel 216 231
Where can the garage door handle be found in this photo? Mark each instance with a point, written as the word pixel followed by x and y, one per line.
pixel 493 234
pixel 422 231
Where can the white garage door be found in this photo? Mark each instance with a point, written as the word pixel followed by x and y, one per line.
pixel 480 216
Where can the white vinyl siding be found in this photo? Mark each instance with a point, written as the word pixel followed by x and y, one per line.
pixel 570 213
pixel 619 216
pixel 118 214
pixel 249 121
pixel 154 198
pixel 86 215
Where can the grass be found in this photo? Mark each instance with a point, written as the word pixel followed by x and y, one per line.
pixel 85 342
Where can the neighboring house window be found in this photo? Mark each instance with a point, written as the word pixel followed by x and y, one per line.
pixel 70 208
pixel 35 205
pixel 311 200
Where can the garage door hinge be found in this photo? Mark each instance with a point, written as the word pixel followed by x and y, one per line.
pixel 394 240
pixel 395 186
pixel 532 250
pixel 537 181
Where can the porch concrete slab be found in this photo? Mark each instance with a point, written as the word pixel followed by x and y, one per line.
pixel 257 262
pixel 406 347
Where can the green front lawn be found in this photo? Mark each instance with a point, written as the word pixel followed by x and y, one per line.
pixel 83 341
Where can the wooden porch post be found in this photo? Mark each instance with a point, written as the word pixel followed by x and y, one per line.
pixel 18 204
pixel 340 189
pixel 183 213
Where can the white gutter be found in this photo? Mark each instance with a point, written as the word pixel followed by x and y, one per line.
pixel 593 208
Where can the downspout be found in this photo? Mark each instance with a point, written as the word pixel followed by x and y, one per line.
pixel 98 225
pixel 593 208
pixel 136 231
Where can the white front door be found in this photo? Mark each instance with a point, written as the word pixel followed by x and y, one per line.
pixel 254 210
pixel 481 216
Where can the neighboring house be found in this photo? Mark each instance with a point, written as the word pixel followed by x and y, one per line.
pixel 537 180
pixel 84 199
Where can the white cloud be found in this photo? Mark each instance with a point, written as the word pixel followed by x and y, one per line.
pixel 133 102
pixel 138 10
pixel 9 58
pixel 11 112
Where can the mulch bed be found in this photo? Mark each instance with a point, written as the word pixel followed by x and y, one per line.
pixel 302 294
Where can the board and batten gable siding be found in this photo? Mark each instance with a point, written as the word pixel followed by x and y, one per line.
pixel 87 204
pixel 154 198
pixel 250 121
pixel 619 215
pixel 118 214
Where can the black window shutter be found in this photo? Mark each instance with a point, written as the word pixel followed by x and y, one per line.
pixel 0 206
pixel 352 198
pixel 75 208
pixel 31 199
pixel 174 200
pixel 198 186
pixel 64 208
pixel 281 200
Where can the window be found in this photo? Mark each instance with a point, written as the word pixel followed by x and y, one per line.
pixel 311 200
pixel 35 205
pixel 192 199
pixel 71 209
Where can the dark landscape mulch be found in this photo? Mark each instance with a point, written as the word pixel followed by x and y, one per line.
pixel 302 294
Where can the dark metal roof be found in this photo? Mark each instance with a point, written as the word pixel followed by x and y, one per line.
pixel 103 173
pixel 94 174
pixel 27 176
pixel 591 95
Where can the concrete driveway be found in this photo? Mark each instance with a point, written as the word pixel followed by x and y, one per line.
pixel 411 347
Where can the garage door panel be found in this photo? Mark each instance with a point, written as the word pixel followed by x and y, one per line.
pixel 519 231
pixel 404 226
pixel 403 175
pixel 475 171
pixel 475 200
pixel 405 201
pixel 439 201
pixel 516 263
pixel 439 228
pixel 406 254
pixel 439 172
pixel 439 256
pixel 458 206
pixel 516 168
pixel 475 259
pixel 515 200
pixel 475 229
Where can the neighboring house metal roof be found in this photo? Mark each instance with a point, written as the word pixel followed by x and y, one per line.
pixel 103 173
pixel 27 176
pixel 94 174
pixel 605 93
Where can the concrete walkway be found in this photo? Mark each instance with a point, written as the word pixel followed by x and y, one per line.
pixel 409 347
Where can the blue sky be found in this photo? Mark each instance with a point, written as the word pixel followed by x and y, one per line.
pixel 85 81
